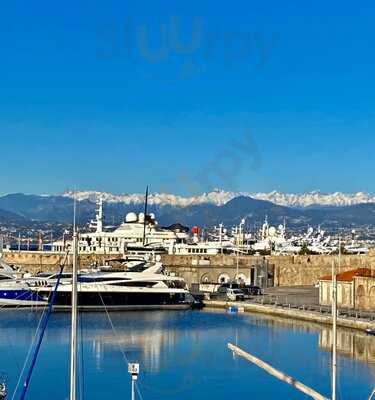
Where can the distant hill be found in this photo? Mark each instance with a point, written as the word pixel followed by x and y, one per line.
pixel 7 217
pixel 19 208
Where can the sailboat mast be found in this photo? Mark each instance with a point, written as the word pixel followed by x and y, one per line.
pixel 334 329
pixel 145 219
pixel 73 348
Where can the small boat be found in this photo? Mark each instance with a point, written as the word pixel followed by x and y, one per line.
pixel 370 331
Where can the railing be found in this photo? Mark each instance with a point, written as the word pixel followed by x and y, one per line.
pixel 289 302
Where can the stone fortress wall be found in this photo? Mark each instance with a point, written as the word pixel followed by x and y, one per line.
pixel 288 270
pixel 283 270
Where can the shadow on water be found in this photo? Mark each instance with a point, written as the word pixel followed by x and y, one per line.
pixel 184 354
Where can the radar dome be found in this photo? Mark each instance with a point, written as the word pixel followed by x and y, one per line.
pixel 152 216
pixel 281 227
pixel 272 231
pixel 131 217
pixel 141 217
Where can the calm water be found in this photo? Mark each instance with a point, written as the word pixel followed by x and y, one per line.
pixel 184 355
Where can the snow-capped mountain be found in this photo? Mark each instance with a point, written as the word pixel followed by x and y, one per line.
pixel 209 209
pixel 316 198
pixel 221 197
pixel 217 197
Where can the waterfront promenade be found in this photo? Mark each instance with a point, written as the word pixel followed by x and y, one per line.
pixel 301 303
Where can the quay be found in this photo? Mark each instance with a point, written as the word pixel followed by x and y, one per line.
pixel 283 274
pixel 288 313
pixel 285 270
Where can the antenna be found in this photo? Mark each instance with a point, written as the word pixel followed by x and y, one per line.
pixel 145 219
pixel 334 330
pixel 74 211
pixel 73 334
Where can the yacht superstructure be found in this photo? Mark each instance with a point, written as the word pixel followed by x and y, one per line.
pixel 139 233
pixel 144 286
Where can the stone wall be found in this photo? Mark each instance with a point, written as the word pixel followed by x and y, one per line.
pixel 364 293
pixel 38 261
pixel 288 270
pixel 345 294
pixel 307 270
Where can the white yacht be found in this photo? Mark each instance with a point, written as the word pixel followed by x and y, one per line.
pixel 138 234
pixel 356 249
pixel 15 291
pixel 218 242
pixel 143 286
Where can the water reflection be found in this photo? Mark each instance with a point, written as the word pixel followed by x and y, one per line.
pixel 155 336
pixel 151 343
pixel 353 344
pixel 185 353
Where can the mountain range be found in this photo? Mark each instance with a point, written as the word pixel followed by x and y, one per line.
pixel 220 197
pixel 208 209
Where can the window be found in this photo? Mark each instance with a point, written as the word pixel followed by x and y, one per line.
pixel 100 279
pixel 135 284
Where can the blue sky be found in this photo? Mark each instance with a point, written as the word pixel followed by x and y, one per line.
pixel 253 96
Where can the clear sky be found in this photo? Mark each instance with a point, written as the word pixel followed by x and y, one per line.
pixel 187 96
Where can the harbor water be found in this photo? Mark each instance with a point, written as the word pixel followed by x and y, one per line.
pixel 183 355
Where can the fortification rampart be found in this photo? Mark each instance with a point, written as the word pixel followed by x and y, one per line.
pixel 286 270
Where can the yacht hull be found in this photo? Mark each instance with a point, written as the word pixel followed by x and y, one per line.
pixel 93 300
pixel 20 298
pixel 126 308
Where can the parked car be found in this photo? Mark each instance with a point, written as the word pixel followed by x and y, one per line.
pixel 227 293
pixel 235 295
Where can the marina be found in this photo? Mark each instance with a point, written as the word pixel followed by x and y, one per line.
pixel 144 284
pixel 187 202
pixel 184 354
pixel 141 233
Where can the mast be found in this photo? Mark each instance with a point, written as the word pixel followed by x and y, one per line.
pixel 334 325
pixel 99 216
pixel 73 346
pixel 145 219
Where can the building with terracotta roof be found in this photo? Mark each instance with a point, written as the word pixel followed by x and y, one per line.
pixel 355 289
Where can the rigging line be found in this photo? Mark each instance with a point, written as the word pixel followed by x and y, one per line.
pixel 118 342
pixel 137 388
pixel 113 329
pixel 30 349
pixel 16 307
pixel 40 340
pixel 4 306
pixel 29 353
pixel 11 346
